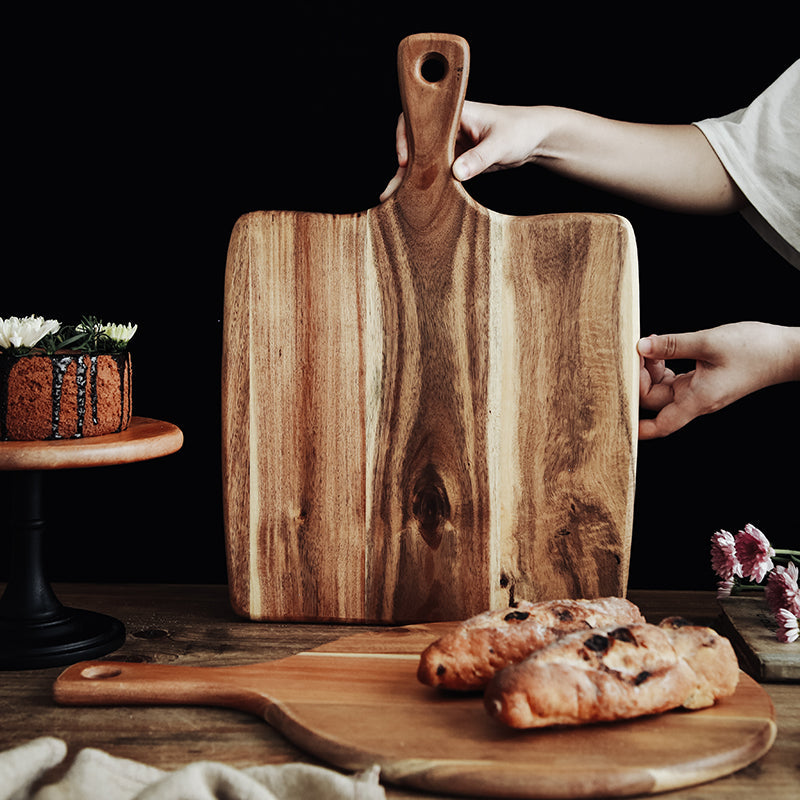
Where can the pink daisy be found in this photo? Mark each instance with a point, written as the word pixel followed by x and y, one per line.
pixel 723 556
pixel 782 590
pixel 788 630
pixel 754 553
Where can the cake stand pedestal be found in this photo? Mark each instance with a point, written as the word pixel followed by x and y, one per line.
pixel 36 630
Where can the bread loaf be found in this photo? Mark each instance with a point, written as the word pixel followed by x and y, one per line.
pixel 467 658
pixel 617 673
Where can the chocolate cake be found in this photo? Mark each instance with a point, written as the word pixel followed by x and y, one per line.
pixel 64 395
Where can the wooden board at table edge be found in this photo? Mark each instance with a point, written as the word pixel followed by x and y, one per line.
pixel 746 621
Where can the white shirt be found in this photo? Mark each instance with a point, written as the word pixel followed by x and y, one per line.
pixel 759 146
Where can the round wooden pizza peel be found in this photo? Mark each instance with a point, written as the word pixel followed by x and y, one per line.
pixel 356 702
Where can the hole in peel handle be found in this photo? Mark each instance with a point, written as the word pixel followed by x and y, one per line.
pixel 123 682
pixel 433 69
pixel 96 672
pixel 89 683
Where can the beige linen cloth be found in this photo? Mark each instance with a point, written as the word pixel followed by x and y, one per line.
pixel 96 775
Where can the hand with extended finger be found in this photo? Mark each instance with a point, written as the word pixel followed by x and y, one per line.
pixel 731 361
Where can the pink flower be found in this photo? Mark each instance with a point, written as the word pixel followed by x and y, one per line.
pixel 723 556
pixel 782 590
pixel 754 553
pixel 788 630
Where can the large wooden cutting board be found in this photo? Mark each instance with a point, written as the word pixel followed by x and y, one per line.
pixel 429 408
pixel 356 702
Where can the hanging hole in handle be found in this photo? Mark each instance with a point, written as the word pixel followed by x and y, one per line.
pixel 100 672
pixel 433 67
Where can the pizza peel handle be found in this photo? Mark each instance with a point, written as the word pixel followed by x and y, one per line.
pixel 93 683
pixel 432 74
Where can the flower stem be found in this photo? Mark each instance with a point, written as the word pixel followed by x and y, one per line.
pixel 787 555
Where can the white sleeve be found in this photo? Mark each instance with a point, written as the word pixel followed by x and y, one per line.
pixel 759 146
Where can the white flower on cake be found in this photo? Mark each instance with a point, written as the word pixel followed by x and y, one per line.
pixel 33 335
pixel 120 333
pixel 95 332
pixel 25 331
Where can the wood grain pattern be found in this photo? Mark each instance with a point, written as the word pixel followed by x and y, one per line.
pixel 429 408
pixel 293 435
pixel 356 702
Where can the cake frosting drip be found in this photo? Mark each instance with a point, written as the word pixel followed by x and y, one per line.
pixel 64 395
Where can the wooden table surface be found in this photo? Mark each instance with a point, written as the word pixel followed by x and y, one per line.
pixel 195 625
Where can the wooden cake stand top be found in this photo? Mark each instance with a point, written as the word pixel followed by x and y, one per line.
pixel 143 439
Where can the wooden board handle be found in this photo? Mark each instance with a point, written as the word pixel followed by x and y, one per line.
pixel 93 683
pixel 432 69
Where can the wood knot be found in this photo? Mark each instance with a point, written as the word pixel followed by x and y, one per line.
pixel 430 506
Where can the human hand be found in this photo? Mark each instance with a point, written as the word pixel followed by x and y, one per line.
pixel 731 361
pixel 489 138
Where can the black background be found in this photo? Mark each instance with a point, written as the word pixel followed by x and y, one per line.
pixel 138 140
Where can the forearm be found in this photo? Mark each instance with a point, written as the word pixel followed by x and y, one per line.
pixel 787 354
pixel 668 166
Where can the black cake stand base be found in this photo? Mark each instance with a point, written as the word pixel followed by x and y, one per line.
pixel 69 636
pixel 36 630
